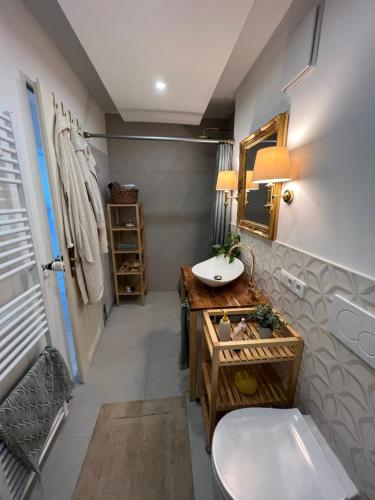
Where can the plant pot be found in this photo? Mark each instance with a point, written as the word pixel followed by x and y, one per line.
pixel 265 333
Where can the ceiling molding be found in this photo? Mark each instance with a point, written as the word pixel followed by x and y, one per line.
pixel 261 23
pixel 133 45
pixel 52 19
pixel 206 69
pixel 159 116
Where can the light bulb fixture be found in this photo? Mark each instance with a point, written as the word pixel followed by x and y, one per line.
pixel 227 181
pixel 273 165
pixel 160 85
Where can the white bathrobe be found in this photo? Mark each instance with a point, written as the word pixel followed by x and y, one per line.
pixel 87 164
pixel 79 221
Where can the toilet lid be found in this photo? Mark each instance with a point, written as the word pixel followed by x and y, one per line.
pixel 267 454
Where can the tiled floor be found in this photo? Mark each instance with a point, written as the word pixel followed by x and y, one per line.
pixel 137 359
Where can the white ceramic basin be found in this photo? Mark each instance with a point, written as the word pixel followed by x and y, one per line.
pixel 218 271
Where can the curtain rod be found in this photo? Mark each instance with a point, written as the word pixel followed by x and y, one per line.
pixel 89 135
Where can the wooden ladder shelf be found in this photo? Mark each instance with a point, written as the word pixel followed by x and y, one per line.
pixel 128 250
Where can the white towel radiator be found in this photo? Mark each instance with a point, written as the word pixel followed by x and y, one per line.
pixel 23 320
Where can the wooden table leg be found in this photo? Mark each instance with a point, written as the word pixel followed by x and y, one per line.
pixel 213 397
pixel 192 354
pixel 293 375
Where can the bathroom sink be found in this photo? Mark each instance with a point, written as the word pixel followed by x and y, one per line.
pixel 218 271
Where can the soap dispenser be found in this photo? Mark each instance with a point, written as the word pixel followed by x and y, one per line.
pixel 224 329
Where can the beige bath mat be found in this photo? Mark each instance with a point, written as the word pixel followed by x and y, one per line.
pixel 139 450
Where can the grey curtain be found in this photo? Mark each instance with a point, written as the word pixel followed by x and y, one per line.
pixel 221 218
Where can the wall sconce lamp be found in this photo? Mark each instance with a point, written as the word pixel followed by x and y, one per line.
pixel 227 181
pixel 273 165
pixel 250 185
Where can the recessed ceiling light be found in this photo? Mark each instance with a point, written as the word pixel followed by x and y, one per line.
pixel 160 85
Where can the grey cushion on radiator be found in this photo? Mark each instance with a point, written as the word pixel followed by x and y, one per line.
pixel 27 414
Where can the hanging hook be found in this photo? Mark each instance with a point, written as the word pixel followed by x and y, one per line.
pixel 62 108
pixel 70 116
pixel 54 100
pixel 78 126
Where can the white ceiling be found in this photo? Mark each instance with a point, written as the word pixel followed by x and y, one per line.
pixel 194 46
pixel 262 21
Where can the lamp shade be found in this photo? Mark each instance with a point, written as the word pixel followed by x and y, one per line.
pixel 250 185
pixel 227 180
pixel 272 165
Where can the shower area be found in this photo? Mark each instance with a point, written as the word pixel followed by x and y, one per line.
pixel 175 169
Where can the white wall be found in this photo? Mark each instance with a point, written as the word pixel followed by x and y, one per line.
pixel 331 133
pixel 24 47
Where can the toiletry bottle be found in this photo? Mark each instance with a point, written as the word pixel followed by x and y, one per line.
pixel 240 330
pixel 224 329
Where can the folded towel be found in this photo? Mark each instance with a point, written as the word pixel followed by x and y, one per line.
pixel 27 414
pixel 184 349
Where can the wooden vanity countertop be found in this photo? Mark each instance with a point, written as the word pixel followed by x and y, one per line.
pixel 235 294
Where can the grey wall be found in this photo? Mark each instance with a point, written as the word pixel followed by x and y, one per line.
pixel 176 182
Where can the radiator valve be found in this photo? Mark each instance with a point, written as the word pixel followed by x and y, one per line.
pixel 56 265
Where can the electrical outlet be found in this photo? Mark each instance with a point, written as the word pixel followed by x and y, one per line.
pixel 292 283
pixel 299 288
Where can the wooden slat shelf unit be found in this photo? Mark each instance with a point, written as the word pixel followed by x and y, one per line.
pixel 270 392
pixel 128 246
pixel 259 357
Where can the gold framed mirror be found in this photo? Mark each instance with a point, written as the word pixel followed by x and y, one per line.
pixel 252 213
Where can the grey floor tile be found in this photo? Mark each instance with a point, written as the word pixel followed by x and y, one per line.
pixel 107 383
pixel 164 379
pixel 165 340
pixel 126 321
pixel 201 463
pixel 194 411
pixel 165 306
pixel 121 346
pixel 61 470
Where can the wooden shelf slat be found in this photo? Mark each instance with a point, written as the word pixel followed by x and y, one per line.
pixel 268 353
pixel 116 205
pixel 270 392
pixel 136 250
pixel 130 273
pixel 126 228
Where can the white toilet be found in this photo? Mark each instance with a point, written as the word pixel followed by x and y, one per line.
pixel 269 454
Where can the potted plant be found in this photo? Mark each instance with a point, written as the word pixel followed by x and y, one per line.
pixel 232 239
pixel 267 319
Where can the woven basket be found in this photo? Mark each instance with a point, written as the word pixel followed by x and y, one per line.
pixel 123 195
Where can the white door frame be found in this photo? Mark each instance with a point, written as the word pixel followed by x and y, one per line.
pixel 34 199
